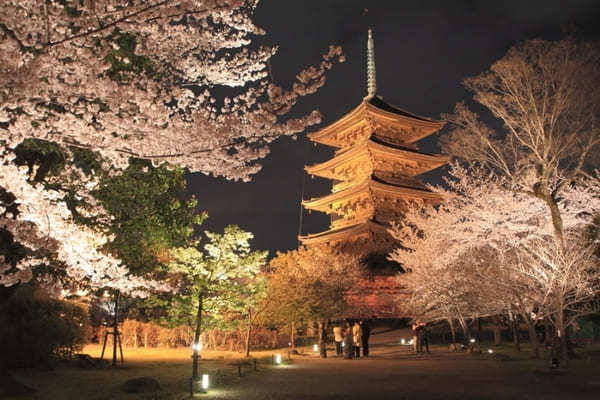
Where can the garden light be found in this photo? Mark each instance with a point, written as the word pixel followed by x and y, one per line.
pixel 402 341
pixel 472 340
pixel 315 347
pixel 277 359
pixel 490 351
pixel 205 382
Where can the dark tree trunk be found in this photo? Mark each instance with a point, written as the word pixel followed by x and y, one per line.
pixel 548 334
pixel 557 222
pixel 323 325
pixel 248 334
pixel 533 339
pixel 466 331
pixel 293 336
pixel 115 329
pixel 515 331
pixel 453 333
pixel 497 326
pixel 561 330
pixel 197 331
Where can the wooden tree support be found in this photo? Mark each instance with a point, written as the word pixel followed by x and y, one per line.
pixel 117 339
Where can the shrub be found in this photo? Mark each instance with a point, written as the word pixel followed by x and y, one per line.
pixel 37 330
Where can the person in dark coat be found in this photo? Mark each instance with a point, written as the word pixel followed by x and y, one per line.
pixel 348 345
pixel 366 333
pixel 423 338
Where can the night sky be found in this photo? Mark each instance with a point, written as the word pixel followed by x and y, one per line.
pixel 424 49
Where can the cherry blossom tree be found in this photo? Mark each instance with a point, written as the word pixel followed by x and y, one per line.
pixel 565 277
pixel 546 97
pixel 172 81
pixel 464 258
pixel 44 221
pixel 147 79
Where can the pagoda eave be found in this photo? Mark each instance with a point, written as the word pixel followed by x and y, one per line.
pixel 405 193
pixel 340 234
pixel 427 162
pixel 370 112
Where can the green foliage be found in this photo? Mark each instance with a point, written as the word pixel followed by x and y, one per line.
pixel 47 157
pixel 151 213
pixel 123 60
pixel 226 275
pixel 309 284
pixel 36 330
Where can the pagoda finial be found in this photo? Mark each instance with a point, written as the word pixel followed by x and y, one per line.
pixel 371 81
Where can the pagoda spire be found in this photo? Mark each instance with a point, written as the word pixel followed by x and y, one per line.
pixel 371 81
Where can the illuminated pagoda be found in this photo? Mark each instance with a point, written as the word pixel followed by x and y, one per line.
pixel 374 171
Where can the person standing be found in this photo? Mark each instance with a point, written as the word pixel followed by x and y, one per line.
pixel 424 338
pixel 338 338
pixel 356 338
pixel 366 333
pixel 415 336
pixel 348 347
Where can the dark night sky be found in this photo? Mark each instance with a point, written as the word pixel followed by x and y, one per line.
pixel 423 51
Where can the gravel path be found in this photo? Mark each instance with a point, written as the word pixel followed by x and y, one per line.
pixel 393 372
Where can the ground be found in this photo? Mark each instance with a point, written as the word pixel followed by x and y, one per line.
pixel 392 371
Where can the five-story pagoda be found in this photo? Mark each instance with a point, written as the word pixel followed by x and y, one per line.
pixel 374 171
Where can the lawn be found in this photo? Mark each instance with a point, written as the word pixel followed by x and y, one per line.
pixel 393 371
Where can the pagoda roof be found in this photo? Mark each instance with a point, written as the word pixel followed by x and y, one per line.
pixel 427 162
pixel 371 184
pixel 337 234
pixel 373 110
pixel 378 102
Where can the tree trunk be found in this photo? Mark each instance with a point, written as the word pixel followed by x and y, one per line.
pixel 557 222
pixel 466 331
pixel 323 325
pixel 196 356
pixel 248 333
pixel 453 333
pixel 548 334
pixel 115 329
pixel 563 338
pixel 497 326
pixel 535 350
pixel 515 331
pixel 293 336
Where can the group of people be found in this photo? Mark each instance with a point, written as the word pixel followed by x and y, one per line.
pixel 351 337
pixel 420 337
